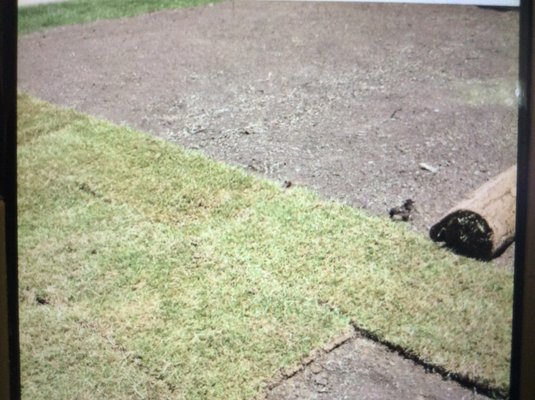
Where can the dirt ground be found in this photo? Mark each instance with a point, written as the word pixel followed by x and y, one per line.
pixel 346 99
pixel 364 370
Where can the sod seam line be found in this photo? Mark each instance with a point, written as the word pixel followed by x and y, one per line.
pixel 251 256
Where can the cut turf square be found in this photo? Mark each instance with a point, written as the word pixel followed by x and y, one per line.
pixel 202 281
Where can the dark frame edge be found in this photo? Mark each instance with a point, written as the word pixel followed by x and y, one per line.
pixel 522 357
pixel 8 191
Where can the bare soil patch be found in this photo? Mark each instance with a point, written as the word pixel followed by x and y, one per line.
pixel 365 370
pixel 347 99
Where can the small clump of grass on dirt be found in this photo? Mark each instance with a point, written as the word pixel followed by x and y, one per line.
pixel 150 271
pixel 42 16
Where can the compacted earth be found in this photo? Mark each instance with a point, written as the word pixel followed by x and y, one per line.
pixel 363 370
pixel 366 104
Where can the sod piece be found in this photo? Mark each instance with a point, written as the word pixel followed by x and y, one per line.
pixel 210 281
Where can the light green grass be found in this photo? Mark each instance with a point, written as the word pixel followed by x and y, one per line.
pixel 38 17
pixel 169 275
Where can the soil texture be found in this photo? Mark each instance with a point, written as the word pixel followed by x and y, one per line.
pixel 364 370
pixel 367 104
pixel 352 100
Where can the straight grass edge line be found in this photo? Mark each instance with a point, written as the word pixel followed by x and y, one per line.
pixel 477 383
pixel 347 334
pixel 481 385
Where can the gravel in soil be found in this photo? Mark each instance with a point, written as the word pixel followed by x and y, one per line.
pixel 349 100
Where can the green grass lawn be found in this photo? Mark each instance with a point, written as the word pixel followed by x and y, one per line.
pixel 148 271
pixel 38 17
